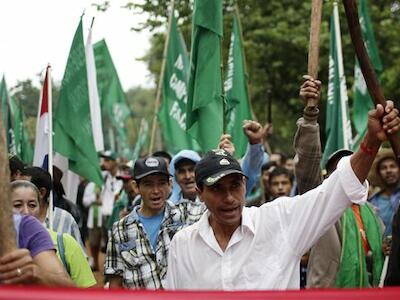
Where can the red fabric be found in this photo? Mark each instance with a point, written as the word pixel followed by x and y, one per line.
pixel 36 293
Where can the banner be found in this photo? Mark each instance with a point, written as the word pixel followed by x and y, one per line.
pixel 112 98
pixel 73 137
pixel 204 114
pixel 338 126
pixel 237 101
pixel 172 114
pixel 362 100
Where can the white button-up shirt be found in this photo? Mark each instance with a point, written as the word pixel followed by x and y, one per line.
pixel 265 250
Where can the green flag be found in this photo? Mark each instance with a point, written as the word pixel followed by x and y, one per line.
pixel 15 121
pixel 204 116
pixel 338 126
pixel 112 97
pixel 237 108
pixel 142 139
pixel 7 117
pixel 26 153
pixel 362 100
pixel 172 114
pixel 73 136
pixel 23 147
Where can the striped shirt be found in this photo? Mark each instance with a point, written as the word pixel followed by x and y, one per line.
pixel 64 222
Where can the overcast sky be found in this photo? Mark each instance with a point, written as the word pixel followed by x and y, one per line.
pixel 34 33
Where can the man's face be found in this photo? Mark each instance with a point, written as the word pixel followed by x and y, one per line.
pixel 184 176
pixel 225 200
pixel 107 164
pixel 154 190
pixel 280 186
pixel 389 172
pixel 25 201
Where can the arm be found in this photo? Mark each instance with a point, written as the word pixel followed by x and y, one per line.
pixel 18 267
pixel 380 121
pixel 307 143
pixel 307 217
pixel 89 195
pixel 114 265
pixel 253 159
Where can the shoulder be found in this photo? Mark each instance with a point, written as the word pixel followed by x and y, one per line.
pixel 187 234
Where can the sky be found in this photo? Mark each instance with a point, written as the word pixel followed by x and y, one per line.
pixel 34 33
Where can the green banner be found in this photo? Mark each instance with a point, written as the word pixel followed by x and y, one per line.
pixel 238 107
pixel 338 126
pixel 112 97
pixel 204 115
pixel 172 114
pixel 362 100
pixel 73 137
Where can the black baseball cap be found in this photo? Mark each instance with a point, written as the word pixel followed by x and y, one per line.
pixel 336 156
pixel 150 165
pixel 214 165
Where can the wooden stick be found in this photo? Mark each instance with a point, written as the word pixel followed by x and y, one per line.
pixel 366 67
pixel 313 48
pixel 7 230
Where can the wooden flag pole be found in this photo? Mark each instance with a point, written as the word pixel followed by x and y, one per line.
pixel 366 67
pixel 161 79
pixel 313 48
pixel 7 230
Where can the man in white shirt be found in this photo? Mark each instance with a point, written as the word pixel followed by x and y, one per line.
pixel 232 247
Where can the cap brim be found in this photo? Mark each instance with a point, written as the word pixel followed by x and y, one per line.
pixel 150 173
pixel 210 180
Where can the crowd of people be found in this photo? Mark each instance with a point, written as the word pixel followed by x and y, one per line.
pixel 210 221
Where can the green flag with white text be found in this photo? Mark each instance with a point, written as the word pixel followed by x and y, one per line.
pixel 172 113
pixel 238 107
pixel 362 100
pixel 204 116
pixel 112 97
pixel 73 136
pixel 337 126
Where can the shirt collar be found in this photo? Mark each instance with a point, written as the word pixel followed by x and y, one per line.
pixel 169 214
pixel 246 222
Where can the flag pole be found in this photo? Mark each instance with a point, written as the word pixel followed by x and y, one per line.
pixel 313 48
pixel 161 79
pixel 50 134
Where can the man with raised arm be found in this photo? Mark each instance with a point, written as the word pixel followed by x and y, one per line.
pixel 260 248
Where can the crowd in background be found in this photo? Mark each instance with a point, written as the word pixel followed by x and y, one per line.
pixel 134 216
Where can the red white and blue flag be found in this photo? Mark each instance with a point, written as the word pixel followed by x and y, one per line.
pixel 43 126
